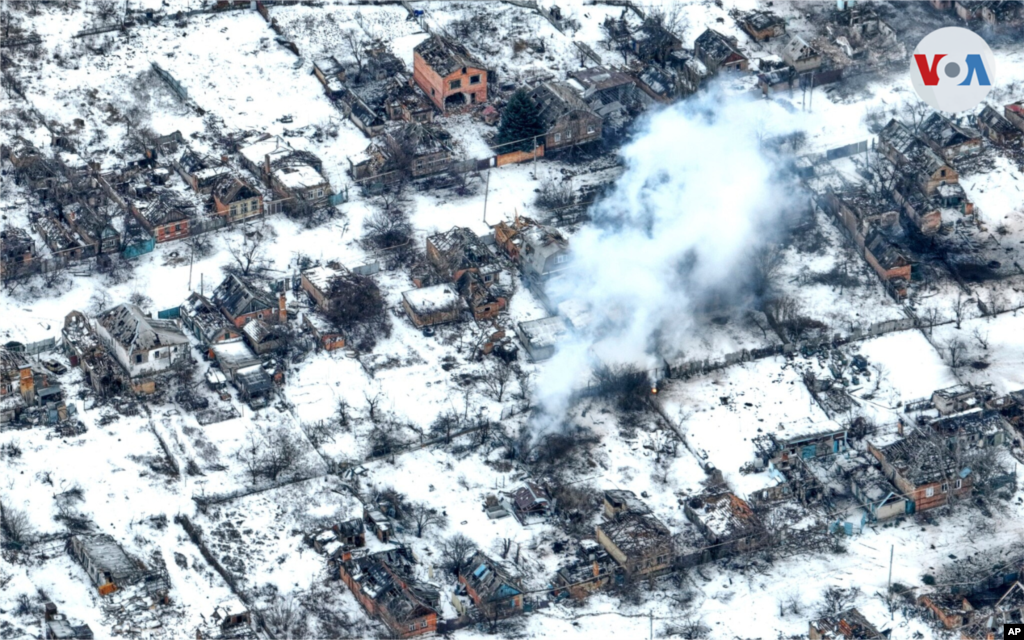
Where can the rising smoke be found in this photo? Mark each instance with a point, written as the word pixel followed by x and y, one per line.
pixel 698 197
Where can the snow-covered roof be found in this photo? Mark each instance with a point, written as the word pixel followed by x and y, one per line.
pixel 441 297
pixel 545 332
pixel 299 176
pixel 256 152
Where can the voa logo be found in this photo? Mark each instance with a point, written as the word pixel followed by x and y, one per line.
pixel 952 69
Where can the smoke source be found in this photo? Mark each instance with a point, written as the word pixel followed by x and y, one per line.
pixel 699 195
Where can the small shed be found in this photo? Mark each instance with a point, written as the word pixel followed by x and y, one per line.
pixel 433 305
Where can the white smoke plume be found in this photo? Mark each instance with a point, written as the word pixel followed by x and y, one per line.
pixel 697 197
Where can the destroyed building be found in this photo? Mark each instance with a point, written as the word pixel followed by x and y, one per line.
pixel 449 76
pixel 727 522
pixel 385 585
pixel 566 118
pixel 237 200
pixel 850 624
pixel 719 52
pixel 762 25
pixel 491 587
pixel 241 301
pixel 638 541
pixel 106 563
pixel 924 472
pixel 434 305
pixel 143 346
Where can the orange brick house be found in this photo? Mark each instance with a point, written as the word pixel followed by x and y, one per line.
pixel 449 76
pixel 383 584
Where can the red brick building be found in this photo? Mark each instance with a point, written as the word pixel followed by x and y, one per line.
pixel 449 76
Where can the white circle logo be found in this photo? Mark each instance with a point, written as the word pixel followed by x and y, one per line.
pixel 952 69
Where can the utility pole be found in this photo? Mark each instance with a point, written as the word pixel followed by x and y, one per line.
pixel 888 590
pixel 650 615
pixel 487 190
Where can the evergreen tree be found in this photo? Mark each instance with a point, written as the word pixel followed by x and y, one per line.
pixel 520 121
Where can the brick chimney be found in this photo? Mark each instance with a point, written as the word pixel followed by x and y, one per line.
pixel 26 384
pixel 597 569
pixel 282 309
pixel 899 426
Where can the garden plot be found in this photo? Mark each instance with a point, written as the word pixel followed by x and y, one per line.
pixel 987 351
pixel 721 413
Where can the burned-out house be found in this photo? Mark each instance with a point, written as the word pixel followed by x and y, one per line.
pixel 244 370
pixel 727 522
pixel 926 472
pixel 867 217
pixel 236 199
pixel 17 253
pixel 449 76
pixel 848 625
pixel 106 563
pixel 205 321
pixel 948 138
pixel 530 501
pixel 296 177
pixel 653 41
pixel 376 91
pixel 567 119
pixel 610 94
pixel 978 427
pixel 460 256
pixel 719 52
pixel 800 55
pixel 589 571
pixel 490 586
pixel 63 243
pixel 385 585
pixel 960 397
pixel 143 346
pixel 1015 114
pixel 458 251
pixel 879 497
pixel 241 301
pixel 198 170
pixel 405 150
pixel 429 306
pixel 17 384
pixel 95 227
pixel 165 214
pixel 904 149
pixel 762 25
pixel 994 126
pixel 85 351
pixel 638 541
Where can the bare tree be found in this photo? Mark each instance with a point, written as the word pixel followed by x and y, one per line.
pixel 15 526
pixel 283 453
pixel 981 338
pixel 320 432
pixel 286 619
pixel 356 45
pixel 497 376
pixel 250 254
pixel 372 405
pixel 251 454
pixel 960 309
pixel 765 263
pixel 455 550
pixel 956 352
pixel 836 600
pixel 913 113
pixel 425 517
